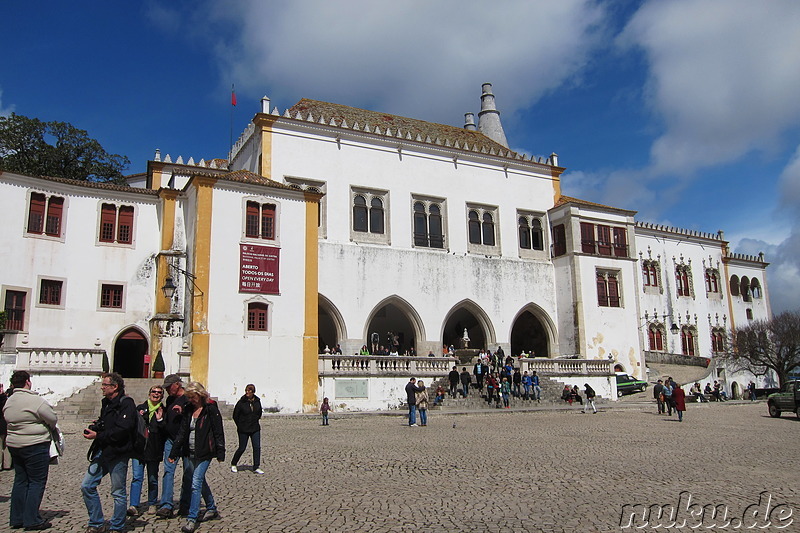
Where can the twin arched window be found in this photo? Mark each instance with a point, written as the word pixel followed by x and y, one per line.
pixel 656 334
pixel 688 340
pixel 530 233
pixel 368 219
pixel 428 230
pixel 481 228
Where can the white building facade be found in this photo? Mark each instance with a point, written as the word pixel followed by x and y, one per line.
pixel 352 226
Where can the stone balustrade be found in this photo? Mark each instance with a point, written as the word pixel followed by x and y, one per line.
pixel 60 360
pixel 384 365
pixel 567 367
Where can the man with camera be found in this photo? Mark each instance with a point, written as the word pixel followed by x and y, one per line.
pixel 173 414
pixel 112 437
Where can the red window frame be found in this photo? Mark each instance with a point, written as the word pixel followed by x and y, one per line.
pixel 603 240
pixel 687 341
pixel 55 211
pixel 620 242
pixel 257 316
pixel 268 221
pixel 108 222
pixel 111 296
pixel 15 310
pixel 50 292
pixel 125 225
pixel 559 240
pixel 36 211
pixel 587 238
pixel 656 338
pixel 682 280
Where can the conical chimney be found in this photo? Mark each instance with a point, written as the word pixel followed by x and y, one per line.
pixel 489 117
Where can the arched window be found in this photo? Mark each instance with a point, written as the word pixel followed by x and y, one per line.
pixel 376 216
pixel 683 281
pixel 360 214
pixel 650 273
pixel 537 240
pixel 428 230
pixel 420 225
pixel 524 233
pixel 755 288
pixel 608 289
pixel 474 228
pixel 656 337
pixel 487 228
pixel 435 226
pixel 735 285
pixel 688 343
pixel 712 280
pixel 744 288
pixel 717 340
pixel 257 316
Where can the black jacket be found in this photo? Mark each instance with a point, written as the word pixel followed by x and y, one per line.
pixel 118 424
pixel 154 449
pixel 246 414
pixel 209 435
pixel 173 417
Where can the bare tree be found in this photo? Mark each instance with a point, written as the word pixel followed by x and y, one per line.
pixel 767 345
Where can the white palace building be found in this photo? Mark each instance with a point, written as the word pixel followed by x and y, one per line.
pixel 328 224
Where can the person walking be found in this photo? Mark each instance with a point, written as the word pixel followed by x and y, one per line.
pixel 480 373
pixel 454 377
pixel 200 439
pixel 658 391
pixel 590 394
pixel 679 397
pixel 491 387
pixel 174 406
pixel 29 419
pixel 411 400
pixel 751 389
pixel 5 455
pixel 246 415
pixel 324 409
pixel 505 390
pixel 466 381
pixel 152 411
pixel 667 392
pixel 422 403
pixel 112 437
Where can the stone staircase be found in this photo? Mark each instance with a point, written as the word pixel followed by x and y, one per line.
pixel 551 394
pixel 84 405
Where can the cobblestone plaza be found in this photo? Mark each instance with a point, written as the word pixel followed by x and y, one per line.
pixel 550 469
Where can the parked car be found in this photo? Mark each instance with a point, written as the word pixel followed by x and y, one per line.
pixel 627 384
pixel 788 399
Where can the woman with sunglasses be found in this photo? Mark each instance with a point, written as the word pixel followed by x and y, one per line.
pixel 153 413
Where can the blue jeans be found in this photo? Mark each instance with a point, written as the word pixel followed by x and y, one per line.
pixel 412 415
pixel 137 480
pixel 196 470
pixel 423 417
pixel 465 386
pixel 31 465
pixel 527 390
pixel 538 390
pixel 168 483
pixel 255 439
pixel 118 468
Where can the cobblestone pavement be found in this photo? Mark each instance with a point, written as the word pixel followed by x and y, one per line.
pixel 537 470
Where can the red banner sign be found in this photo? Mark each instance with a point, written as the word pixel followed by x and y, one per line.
pixel 258 269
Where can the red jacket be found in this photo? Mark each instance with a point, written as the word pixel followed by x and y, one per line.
pixel 679 397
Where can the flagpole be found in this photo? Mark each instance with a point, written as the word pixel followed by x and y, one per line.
pixel 233 104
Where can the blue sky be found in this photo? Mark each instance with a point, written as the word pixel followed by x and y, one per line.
pixel 686 111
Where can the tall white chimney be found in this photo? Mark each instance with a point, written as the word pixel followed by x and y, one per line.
pixel 489 117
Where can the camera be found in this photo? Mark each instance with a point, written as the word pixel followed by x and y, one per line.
pixel 96 426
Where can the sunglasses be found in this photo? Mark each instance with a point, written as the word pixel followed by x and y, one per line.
pixel 157 392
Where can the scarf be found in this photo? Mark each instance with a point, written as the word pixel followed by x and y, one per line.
pixel 151 409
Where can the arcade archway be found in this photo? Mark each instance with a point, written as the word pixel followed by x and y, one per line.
pixel 330 326
pixel 129 354
pixel 530 336
pixel 467 315
pixel 393 326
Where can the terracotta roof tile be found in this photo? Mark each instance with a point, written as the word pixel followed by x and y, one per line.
pixel 93 184
pixel 570 200
pixel 428 132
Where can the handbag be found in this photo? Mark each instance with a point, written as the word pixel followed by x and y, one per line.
pixel 56 444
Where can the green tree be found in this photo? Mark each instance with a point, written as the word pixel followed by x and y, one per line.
pixel 767 345
pixel 30 146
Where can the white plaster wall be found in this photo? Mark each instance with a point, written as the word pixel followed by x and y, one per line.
pixel 273 360
pixel 384 393
pixel 82 262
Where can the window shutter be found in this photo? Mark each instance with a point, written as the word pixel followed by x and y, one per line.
pixel 125 234
pixel 36 213
pixel 55 208
pixel 108 219
pixel 587 238
pixel 613 291
pixel 251 225
pixel 268 221
pixel 602 291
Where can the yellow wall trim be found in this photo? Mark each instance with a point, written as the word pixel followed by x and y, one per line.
pixel 201 268
pixel 265 122
pixel 310 329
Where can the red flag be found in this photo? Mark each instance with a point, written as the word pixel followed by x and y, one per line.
pixel 233 96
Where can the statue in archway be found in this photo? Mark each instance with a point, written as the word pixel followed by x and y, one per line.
pixel 465 340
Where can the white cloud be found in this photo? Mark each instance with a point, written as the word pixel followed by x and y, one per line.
pixel 724 76
pixel 414 58
pixel 5 111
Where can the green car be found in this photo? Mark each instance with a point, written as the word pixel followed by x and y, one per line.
pixel 627 384
pixel 788 399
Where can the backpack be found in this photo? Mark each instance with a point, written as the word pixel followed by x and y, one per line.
pixel 140 435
